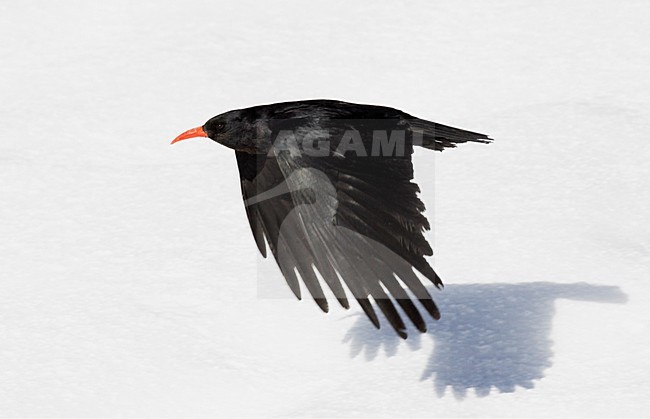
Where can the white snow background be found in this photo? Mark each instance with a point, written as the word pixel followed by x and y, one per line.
pixel 128 275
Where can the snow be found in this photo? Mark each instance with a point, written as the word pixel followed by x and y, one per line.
pixel 130 283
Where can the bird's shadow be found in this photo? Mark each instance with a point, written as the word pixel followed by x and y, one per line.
pixel 490 335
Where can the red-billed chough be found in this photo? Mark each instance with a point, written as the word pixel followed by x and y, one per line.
pixel 328 184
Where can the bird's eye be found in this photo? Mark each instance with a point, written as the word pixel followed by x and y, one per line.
pixel 220 126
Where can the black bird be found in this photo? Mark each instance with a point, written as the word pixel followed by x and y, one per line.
pixel 328 184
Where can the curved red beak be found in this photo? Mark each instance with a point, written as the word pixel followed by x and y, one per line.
pixel 190 133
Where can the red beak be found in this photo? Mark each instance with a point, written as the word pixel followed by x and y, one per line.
pixel 190 133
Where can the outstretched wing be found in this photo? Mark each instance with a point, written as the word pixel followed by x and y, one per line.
pixel 357 221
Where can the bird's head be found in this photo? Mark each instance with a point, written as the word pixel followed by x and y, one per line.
pixel 232 129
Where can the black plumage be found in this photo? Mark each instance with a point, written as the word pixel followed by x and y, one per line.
pixel 347 209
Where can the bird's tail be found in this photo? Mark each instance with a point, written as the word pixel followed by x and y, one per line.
pixel 438 137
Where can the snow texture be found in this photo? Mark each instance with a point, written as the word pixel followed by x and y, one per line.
pixel 130 284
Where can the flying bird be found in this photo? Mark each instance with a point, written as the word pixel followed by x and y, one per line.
pixel 328 185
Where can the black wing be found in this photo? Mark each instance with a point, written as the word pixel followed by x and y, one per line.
pixel 355 219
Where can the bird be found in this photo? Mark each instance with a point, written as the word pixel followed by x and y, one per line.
pixel 328 185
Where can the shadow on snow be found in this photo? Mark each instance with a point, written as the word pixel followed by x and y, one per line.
pixel 490 335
